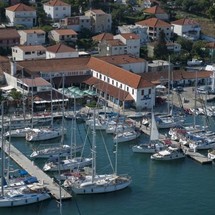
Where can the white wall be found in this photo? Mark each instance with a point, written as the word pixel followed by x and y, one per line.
pixel 51 55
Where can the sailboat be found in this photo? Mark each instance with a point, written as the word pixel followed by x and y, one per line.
pixel 95 183
pixel 155 144
pixel 39 134
pixel 22 195
pixel 70 163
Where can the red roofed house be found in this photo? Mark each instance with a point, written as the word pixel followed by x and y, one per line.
pixel 158 12
pixel 57 9
pixel 127 43
pixel 60 51
pixel 100 21
pixel 155 26
pixel 63 35
pixel 76 23
pixel 187 28
pixel 121 86
pixel 20 53
pixel 9 37
pixel 21 14
pixel 32 37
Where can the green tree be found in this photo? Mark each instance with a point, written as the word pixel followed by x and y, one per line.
pixel 16 95
pixel 199 51
pixel 211 12
pixel 185 44
pixel 160 49
pixel 2 12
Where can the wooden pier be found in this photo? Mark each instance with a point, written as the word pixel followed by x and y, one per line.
pixel 196 156
pixel 34 170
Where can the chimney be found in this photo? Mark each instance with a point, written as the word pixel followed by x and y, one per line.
pixel 12 67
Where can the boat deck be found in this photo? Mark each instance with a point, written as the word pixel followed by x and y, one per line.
pixel 34 170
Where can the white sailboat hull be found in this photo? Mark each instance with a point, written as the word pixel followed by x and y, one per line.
pixel 101 184
pixel 26 199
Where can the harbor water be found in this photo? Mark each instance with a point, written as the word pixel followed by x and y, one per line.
pixel 171 187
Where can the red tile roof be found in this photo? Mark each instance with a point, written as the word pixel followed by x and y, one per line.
pixel 131 79
pixel 211 45
pixel 55 65
pixel 9 33
pixel 115 42
pixel 56 3
pixel 98 11
pixel 154 10
pixel 60 48
pixel 103 36
pixel 35 82
pixel 20 7
pixel 65 32
pixel 121 59
pixel 130 36
pixel 109 89
pixel 185 21
pixel 32 48
pixel 153 22
pixel 33 31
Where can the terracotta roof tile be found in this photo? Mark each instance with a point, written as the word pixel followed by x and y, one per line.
pixel 103 36
pixel 55 65
pixel 153 22
pixel 109 89
pixel 56 3
pixel 33 31
pixel 60 48
pixel 131 79
pixel 115 42
pixel 32 48
pixel 65 32
pixel 98 11
pixel 35 82
pixel 8 33
pixel 121 59
pixel 154 10
pixel 130 36
pixel 185 21
pixel 20 7
pixel 211 45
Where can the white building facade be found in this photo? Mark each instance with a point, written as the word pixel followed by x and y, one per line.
pixel 32 37
pixel 21 14
pixel 57 9
pixel 20 53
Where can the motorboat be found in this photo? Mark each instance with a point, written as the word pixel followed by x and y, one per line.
pixel 194 62
pixel 169 153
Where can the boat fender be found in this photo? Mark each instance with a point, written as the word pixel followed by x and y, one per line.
pixel 26 201
pixel 92 190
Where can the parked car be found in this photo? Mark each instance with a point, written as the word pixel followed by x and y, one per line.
pixel 178 89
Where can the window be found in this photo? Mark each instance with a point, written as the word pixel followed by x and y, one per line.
pixel 142 92
pixel 150 91
pixel 108 80
pixel 56 8
pixel 116 84
pixel 132 91
pixel 64 8
pixel 113 82
pixel 97 74
pixel 120 86
pixel 127 88
pixel 104 78
pixel 100 76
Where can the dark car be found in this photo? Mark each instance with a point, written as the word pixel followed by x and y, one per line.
pixel 178 89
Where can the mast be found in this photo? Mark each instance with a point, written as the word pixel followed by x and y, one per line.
pixel 194 115
pixel 2 149
pixel 8 161
pixel 51 96
pixel 63 111
pixel 32 104
pixel 94 148
pixel 168 106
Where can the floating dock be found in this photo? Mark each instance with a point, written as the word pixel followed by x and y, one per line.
pixel 196 156
pixel 34 170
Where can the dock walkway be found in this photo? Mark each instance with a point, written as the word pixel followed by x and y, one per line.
pixel 34 170
pixel 196 155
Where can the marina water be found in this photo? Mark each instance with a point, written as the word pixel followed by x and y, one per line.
pixel 176 187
